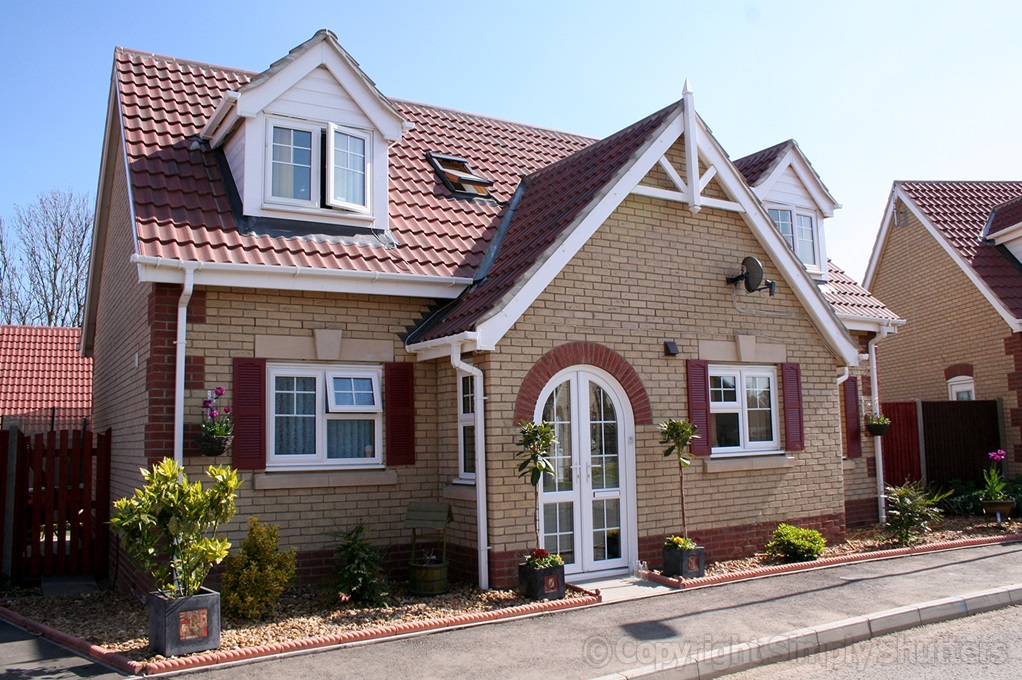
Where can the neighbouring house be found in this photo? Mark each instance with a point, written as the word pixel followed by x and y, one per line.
pixel 387 289
pixel 798 203
pixel 45 382
pixel 947 257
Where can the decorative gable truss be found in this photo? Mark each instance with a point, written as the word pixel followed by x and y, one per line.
pixel 308 138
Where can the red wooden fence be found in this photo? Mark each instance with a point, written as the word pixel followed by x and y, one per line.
pixel 62 505
pixel 901 443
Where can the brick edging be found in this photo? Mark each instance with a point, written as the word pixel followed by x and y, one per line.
pixel 121 663
pixel 778 569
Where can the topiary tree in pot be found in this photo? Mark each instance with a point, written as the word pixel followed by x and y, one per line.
pixel 164 527
pixel 682 557
pixel 541 576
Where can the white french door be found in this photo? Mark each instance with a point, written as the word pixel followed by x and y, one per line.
pixel 584 508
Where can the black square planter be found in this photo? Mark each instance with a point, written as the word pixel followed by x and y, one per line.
pixel 684 563
pixel 541 584
pixel 183 625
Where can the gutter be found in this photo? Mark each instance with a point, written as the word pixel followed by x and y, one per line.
pixel 180 344
pixel 482 535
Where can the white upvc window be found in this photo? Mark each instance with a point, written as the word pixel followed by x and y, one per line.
pixel 323 416
pixel 347 168
pixel 961 388
pixel 800 230
pixel 743 410
pixel 298 175
pixel 466 427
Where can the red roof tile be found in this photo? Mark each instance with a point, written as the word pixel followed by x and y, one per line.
pixel 757 166
pixel 960 210
pixel 181 205
pixel 41 368
pixel 1005 215
pixel 848 298
pixel 551 201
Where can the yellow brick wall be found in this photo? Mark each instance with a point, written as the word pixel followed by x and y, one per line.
pixel 948 321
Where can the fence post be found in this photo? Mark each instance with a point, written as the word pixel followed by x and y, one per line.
pixel 921 427
pixel 10 480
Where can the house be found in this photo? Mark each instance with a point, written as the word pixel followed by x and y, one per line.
pixel 798 202
pixel 386 289
pixel 947 258
pixel 45 382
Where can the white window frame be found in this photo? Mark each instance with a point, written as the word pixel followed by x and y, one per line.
pixel 795 212
pixel 466 419
pixel 960 384
pixel 326 411
pixel 291 124
pixel 333 128
pixel 746 448
pixel 322 170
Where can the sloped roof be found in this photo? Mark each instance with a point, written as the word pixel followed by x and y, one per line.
pixel 1004 216
pixel 551 201
pixel 850 299
pixel 959 211
pixel 42 368
pixel 757 166
pixel 181 202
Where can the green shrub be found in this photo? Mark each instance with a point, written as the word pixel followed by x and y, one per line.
pixel 256 576
pixel 359 575
pixel 964 498
pixel 796 544
pixel 1014 490
pixel 911 509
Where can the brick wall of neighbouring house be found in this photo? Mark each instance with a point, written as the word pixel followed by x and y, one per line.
pixel 231 320
pixel 948 321
pixel 861 507
pixel 653 273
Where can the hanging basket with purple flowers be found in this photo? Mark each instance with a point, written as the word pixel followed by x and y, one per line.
pixel 217 426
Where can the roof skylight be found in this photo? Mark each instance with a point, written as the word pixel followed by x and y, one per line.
pixel 457 175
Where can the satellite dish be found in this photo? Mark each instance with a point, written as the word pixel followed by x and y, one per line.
pixel 753 274
pixel 752 277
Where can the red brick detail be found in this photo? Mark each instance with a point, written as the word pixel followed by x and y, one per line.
pixel 871 467
pixel 867 386
pixel 734 542
pixel 1013 348
pixel 160 367
pixel 861 512
pixel 195 372
pixel 589 354
pixel 956 370
pixel 504 568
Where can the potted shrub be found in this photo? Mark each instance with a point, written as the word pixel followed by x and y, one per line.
pixel 541 576
pixel 682 557
pixel 994 498
pixel 163 526
pixel 217 435
pixel 877 424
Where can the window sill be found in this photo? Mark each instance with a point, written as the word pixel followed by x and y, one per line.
pixel 464 481
pixel 278 479
pixel 747 463
pixel 459 492
pixel 848 463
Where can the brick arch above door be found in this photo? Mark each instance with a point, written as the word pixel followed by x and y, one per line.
pixel 583 353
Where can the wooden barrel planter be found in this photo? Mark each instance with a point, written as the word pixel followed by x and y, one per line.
pixel 428 579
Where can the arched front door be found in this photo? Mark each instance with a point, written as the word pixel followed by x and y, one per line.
pixel 586 509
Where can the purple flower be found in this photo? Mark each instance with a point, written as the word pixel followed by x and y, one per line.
pixel 227 410
pixel 997 455
pixel 213 413
pixel 207 403
pixel 219 391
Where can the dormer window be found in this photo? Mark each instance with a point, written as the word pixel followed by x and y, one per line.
pixel 800 233
pixel 300 176
pixel 458 176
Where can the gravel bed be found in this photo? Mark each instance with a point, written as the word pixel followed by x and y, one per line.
pixel 118 622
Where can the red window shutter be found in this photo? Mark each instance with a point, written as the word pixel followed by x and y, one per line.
pixel 791 384
pixel 399 410
pixel 853 423
pixel 249 449
pixel 699 404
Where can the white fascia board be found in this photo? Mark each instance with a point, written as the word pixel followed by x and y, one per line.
pixel 870 324
pixel 762 227
pixel 1013 322
pixel 492 328
pixel 811 181
pixel 275 277
pixel 1006 235
pixel 441 347
pixel 386 119
pixel 216 122
pixel 683 197
pixel 878 245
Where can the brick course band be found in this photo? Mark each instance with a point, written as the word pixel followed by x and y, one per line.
pixel 957 370
pixel 583 353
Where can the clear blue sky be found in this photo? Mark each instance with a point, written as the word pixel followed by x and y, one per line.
pixel 872 91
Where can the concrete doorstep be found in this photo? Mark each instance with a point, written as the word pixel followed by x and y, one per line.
pixel 805 641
